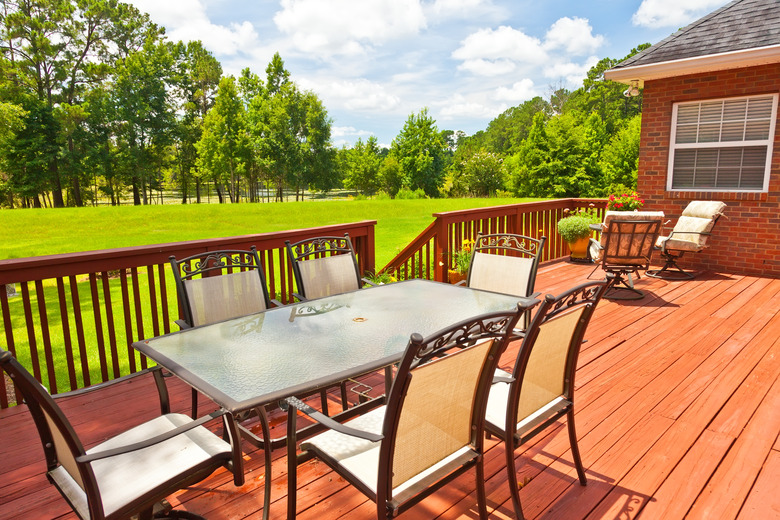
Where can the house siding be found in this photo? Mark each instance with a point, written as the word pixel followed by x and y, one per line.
pixel 746 240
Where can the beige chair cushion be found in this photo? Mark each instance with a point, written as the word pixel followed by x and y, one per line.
pixel 124 478
pixel 501 273
pixel 697 220
pixel 219 298
pixel 328 275
pixel 704 209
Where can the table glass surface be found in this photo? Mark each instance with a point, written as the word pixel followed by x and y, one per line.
pixel 258 358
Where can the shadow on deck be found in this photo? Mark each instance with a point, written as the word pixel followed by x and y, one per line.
pixel 678 414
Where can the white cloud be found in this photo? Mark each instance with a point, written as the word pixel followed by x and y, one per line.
pixel 672 13
pixel 573 36
pixel 186 20
pixel 520 91
pixel 488 67
pixel 464 9
pixel 459 106
pixel 343 131
pixel 572 72
pixel 502 43
pixel 359 94
pixel 348 27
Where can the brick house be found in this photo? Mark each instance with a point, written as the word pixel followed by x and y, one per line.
pixel 709 130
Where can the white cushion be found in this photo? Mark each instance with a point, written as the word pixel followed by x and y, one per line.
pixel 123 478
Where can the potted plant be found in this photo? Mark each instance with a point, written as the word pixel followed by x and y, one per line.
pixel 576 231
pixel 461 258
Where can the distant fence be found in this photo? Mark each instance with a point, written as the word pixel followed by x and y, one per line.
pixel 76 315
pixel 430 254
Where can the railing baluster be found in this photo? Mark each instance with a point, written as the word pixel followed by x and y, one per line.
pixel 33 342
pixel 153 300
pixel 163 299
pixel 101 346
pixel 63 301
pixel 9 338
pixel 76 301
pixel 110 324
pixel 127 318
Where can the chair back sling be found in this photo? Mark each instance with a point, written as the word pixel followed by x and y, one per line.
pixel 125 482
pixel 220 285
pixel 505 263
pixel 324 266
pixel 219 298
pixel 540 388
pixel 326 276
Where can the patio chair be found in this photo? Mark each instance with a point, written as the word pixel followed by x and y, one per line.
pixel 324 266
pixel 131 473
pixel 540 388
pixel 689 234
pixel 215 286
pixel 625 248
pixel 431 429
pixel 505 263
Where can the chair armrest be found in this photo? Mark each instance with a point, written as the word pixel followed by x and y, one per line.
pixel 100 386
pixel 183 324
pixel 299 297
pixel 276 303
pixel 502 379
pixel 151 441
pixel 330 423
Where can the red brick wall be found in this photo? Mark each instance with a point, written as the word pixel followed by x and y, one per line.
pixel 746 240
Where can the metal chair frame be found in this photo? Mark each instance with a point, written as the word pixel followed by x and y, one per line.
pixel 586 297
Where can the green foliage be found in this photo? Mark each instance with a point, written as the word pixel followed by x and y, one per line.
pixel 407 194
pixel 420 151
pixel 619 159
pixel 360 166
pixel 481 175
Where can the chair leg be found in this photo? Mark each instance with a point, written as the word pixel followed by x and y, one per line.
pixel 511 471
pixel 622 288
pixel 481 494
pixel 575 449
pixel 670 270
pixel 263 417
pixel 194 404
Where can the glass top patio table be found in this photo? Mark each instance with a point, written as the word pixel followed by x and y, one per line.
pixel 261 358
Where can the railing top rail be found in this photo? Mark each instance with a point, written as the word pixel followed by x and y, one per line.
pixel 525 206
pixel 65 264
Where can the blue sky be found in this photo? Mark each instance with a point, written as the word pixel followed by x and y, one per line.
pixel 375 62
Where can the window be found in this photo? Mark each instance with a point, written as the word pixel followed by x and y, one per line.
pixel 722 145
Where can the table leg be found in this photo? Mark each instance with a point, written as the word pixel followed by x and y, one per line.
pixel 292 462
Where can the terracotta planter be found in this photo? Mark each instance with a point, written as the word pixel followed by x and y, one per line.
pixel 454 276
pixel 579 249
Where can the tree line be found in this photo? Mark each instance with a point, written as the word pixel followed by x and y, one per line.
pixel 96 105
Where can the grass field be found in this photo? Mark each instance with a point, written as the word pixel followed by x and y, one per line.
pixel 34 232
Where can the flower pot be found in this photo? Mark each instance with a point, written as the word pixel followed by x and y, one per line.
pixel 454 276
pixel 579 249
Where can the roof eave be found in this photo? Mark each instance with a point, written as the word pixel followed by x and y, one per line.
pixel 699 64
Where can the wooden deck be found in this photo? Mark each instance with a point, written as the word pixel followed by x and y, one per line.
pixel 678 414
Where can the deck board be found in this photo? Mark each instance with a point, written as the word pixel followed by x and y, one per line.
pixel 677 412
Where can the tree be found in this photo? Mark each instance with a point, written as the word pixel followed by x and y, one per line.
pixel 291 133
pixel 361 166
pixel 145 117
pixel 620 158
pixel 420 150
pixel 223 147
pixel 481 175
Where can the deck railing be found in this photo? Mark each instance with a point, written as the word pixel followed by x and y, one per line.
pixel 76 315
pixel 430 254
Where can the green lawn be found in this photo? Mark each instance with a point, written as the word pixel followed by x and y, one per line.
pixel 34 232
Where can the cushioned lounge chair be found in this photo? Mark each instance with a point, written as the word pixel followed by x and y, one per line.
pixel 689 234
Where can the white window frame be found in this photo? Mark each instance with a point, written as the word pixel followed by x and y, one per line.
pixel 769 143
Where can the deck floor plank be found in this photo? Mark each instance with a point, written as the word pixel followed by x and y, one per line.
pixel 677 412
